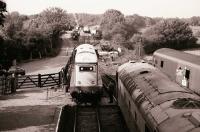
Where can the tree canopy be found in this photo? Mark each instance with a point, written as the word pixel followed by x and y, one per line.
pixel 114 26
pixel 2 10
pixel 171 33
pixel 36 36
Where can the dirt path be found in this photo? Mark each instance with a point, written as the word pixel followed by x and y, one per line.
pixel 49 65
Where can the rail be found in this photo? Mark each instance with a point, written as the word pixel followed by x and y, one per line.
pixel 75 120
pixel 98 119
pixel 89 113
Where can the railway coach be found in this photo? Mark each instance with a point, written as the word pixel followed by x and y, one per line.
pixel 151 102
pixel 85 82
pixel 184 68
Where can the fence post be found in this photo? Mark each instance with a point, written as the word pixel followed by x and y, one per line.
pixel 59 78
pixel 13 83
pixel 39 80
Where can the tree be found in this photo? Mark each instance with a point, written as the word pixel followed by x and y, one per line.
pixel 53 21
pixel 43 31
pixel 136 38
pixel 136 21
pixel 109 19
pixel 171 33
pixel 88 19
pixel 118 39
pixel 194 21
pixel 2 10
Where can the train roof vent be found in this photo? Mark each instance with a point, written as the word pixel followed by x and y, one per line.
pixel 186 103
pixel 195 118
pixel 144 72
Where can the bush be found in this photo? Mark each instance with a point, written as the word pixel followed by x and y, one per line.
pixel 169 33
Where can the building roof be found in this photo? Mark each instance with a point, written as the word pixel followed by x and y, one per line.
pixel 178 56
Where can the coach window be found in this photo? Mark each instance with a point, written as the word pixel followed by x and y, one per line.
pixel 162 64
pixel 129 107
pixel 187 74
pixel 135 116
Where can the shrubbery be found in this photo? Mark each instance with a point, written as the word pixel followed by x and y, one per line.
pixel 169 33
pixel 27 37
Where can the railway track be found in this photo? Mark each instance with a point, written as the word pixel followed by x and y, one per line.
pixel 102 118
pixel 86 119
pixel 99 119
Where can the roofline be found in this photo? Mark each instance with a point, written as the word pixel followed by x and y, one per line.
pixel 86 63
pixel 176 59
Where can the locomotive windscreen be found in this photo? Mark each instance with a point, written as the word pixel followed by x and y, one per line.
pixel 88 68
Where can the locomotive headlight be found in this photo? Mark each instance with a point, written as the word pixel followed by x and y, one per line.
pixel 92 82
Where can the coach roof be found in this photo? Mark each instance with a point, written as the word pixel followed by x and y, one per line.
pixel 178 56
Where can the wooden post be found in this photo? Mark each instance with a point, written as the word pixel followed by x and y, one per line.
pixel 59 78
pixel 47 93
pixel 39 80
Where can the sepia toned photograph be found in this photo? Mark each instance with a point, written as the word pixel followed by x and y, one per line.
pixel 99 66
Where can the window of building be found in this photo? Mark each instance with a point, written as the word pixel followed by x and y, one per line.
pixel 162 64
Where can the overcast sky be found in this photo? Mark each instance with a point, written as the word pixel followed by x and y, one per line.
pixel 151 8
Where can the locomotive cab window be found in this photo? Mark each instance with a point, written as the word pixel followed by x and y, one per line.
pixel 88 68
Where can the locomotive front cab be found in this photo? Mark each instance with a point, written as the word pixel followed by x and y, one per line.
pixel 86 75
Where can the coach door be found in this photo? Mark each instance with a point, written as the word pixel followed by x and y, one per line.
pixel 187 77
pixel 182 76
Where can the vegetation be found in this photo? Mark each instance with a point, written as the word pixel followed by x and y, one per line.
pixel 170 33
pixel 88 19
pixel 2 10
pixel 28 37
